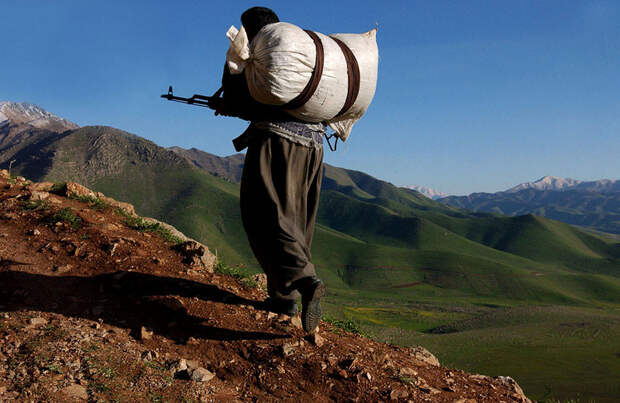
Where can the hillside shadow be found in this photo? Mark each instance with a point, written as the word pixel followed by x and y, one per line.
pixel 127 300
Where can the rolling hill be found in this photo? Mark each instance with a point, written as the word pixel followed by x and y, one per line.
pixel 396 262
pixel 593 205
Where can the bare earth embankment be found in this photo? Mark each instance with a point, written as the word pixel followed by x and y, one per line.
pixel 98 304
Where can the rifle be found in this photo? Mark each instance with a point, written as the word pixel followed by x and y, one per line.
pixel 196 99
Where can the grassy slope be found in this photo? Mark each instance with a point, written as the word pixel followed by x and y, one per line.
pixel 372 240
pixel 586 208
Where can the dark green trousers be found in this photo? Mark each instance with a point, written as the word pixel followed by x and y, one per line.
pixel 280 190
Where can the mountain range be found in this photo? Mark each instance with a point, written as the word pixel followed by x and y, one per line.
pixel 590 204
pixel 391 257
pixel 428 192
pixel 563 184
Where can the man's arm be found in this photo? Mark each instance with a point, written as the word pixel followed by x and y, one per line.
pixel 237 101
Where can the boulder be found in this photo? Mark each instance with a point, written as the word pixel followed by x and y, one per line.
pixel 517 392
pixel 37 321
pixel 37 195
pixel 261 280
pixel 126 207
pixel 196 254
pixel 145 333
pixel 201 375
pixel 41 186
pixel 422 354
pixel 77 190
pixel 76 392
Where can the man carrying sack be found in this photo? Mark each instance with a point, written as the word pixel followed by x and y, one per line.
pixel 280 188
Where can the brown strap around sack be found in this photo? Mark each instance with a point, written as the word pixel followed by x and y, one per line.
pixel 353 73
pixel 312 85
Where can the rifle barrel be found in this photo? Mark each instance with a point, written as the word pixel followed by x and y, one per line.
pixel 195 100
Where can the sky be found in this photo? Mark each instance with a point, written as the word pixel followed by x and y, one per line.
pixel 472 96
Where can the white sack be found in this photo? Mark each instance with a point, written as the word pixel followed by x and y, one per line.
pixel 279 62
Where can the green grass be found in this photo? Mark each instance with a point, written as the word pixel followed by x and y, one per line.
pixel 485 293
pixel 94 203
pixel 35 205
pixel 238 272
pixel 140 224
pixel 59 188
pixel 66 215
pixel 545 348
pixel 346 325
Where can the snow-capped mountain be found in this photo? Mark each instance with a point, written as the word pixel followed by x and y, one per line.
pixel 23 113
pixel 561 184
pixel 428 192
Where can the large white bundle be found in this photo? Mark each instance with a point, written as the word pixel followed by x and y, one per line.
pixel 280 61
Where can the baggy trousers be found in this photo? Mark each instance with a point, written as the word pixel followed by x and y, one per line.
pixel 280 189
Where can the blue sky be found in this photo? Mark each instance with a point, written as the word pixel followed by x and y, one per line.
pixel 472 95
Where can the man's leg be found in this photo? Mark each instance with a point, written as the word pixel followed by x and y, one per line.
pixel 274 204
pixel 279 199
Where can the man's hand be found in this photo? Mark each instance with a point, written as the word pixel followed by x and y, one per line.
pixel 217 104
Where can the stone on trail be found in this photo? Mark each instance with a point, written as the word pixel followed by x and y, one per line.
pixel 296 321
pixel 399 394
pixel 37 321
pixel 196 254
pixel 76 392
pixel 260 279
pixel 287 348
pixel 422 354
pixel 201 375
pixel 36 195
pixel 149 355
pixel 41 186
pixel 63 269
pixel 145 333
pixel 178 366
pixel 75 189
pixel 405 371
pixel 316 339
pixel 517 391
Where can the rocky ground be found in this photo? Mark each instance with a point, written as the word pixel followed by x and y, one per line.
pixel 98 304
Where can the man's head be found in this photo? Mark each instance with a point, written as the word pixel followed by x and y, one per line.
pixel 253 19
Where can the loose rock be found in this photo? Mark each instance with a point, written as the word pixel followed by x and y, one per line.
pixel 422 354
pixel 260 279
pixel 317 340
pixel 399 394
pixel 296 321
pixel 201 375
pixel 145 333
pixel 37 321
pixel 63 269
pixel 75 189
pixel 287 348
pixel 36 195
pixel 76 391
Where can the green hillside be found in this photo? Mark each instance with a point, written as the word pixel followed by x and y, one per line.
pixel 400 266
pixel 593 208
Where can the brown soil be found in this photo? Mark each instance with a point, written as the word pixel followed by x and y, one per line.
pixel 77 312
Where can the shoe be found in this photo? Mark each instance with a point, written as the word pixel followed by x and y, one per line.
pixel 311 312
pixel 281 306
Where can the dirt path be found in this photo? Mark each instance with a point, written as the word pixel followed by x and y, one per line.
pixel 91 309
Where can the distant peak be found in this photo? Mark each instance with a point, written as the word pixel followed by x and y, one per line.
pixel 547 182
pixel 428 192
pixel 19 113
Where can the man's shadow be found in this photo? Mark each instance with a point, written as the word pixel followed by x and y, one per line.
pixel 125 299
